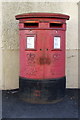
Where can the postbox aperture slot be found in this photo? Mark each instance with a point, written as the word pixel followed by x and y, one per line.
pixel 31 25
pixel 56 25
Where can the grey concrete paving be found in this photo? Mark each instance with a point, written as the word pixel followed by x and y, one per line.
pixel 13 107
pixel 0 105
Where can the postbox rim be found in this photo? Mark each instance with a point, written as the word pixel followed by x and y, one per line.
pixel 42 15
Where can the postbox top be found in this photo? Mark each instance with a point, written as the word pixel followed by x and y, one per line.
pixel 42 15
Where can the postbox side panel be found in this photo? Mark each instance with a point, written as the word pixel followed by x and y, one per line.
pixel 22 54
pixel 55 54
pixel 31 46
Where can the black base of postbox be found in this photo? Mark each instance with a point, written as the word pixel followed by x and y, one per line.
pixel 42 91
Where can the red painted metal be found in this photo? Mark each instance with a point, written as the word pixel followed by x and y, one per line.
pixel 42 62
pixel 42 15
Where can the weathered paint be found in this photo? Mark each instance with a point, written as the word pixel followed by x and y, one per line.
pixel 42 62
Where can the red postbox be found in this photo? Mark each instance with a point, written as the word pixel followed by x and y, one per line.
pixel 42 56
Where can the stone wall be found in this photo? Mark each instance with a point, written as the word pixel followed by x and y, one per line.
pixel 9 43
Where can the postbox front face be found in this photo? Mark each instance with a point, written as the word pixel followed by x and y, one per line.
pixel 42 47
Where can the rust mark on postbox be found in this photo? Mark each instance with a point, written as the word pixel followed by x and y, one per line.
pixel 44 60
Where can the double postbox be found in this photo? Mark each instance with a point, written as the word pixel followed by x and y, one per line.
pixel 42 55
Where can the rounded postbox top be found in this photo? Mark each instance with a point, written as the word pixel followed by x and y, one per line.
pixel 42 15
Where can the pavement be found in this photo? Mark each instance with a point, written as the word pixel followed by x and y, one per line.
pixel 14 107
pixel 0 104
